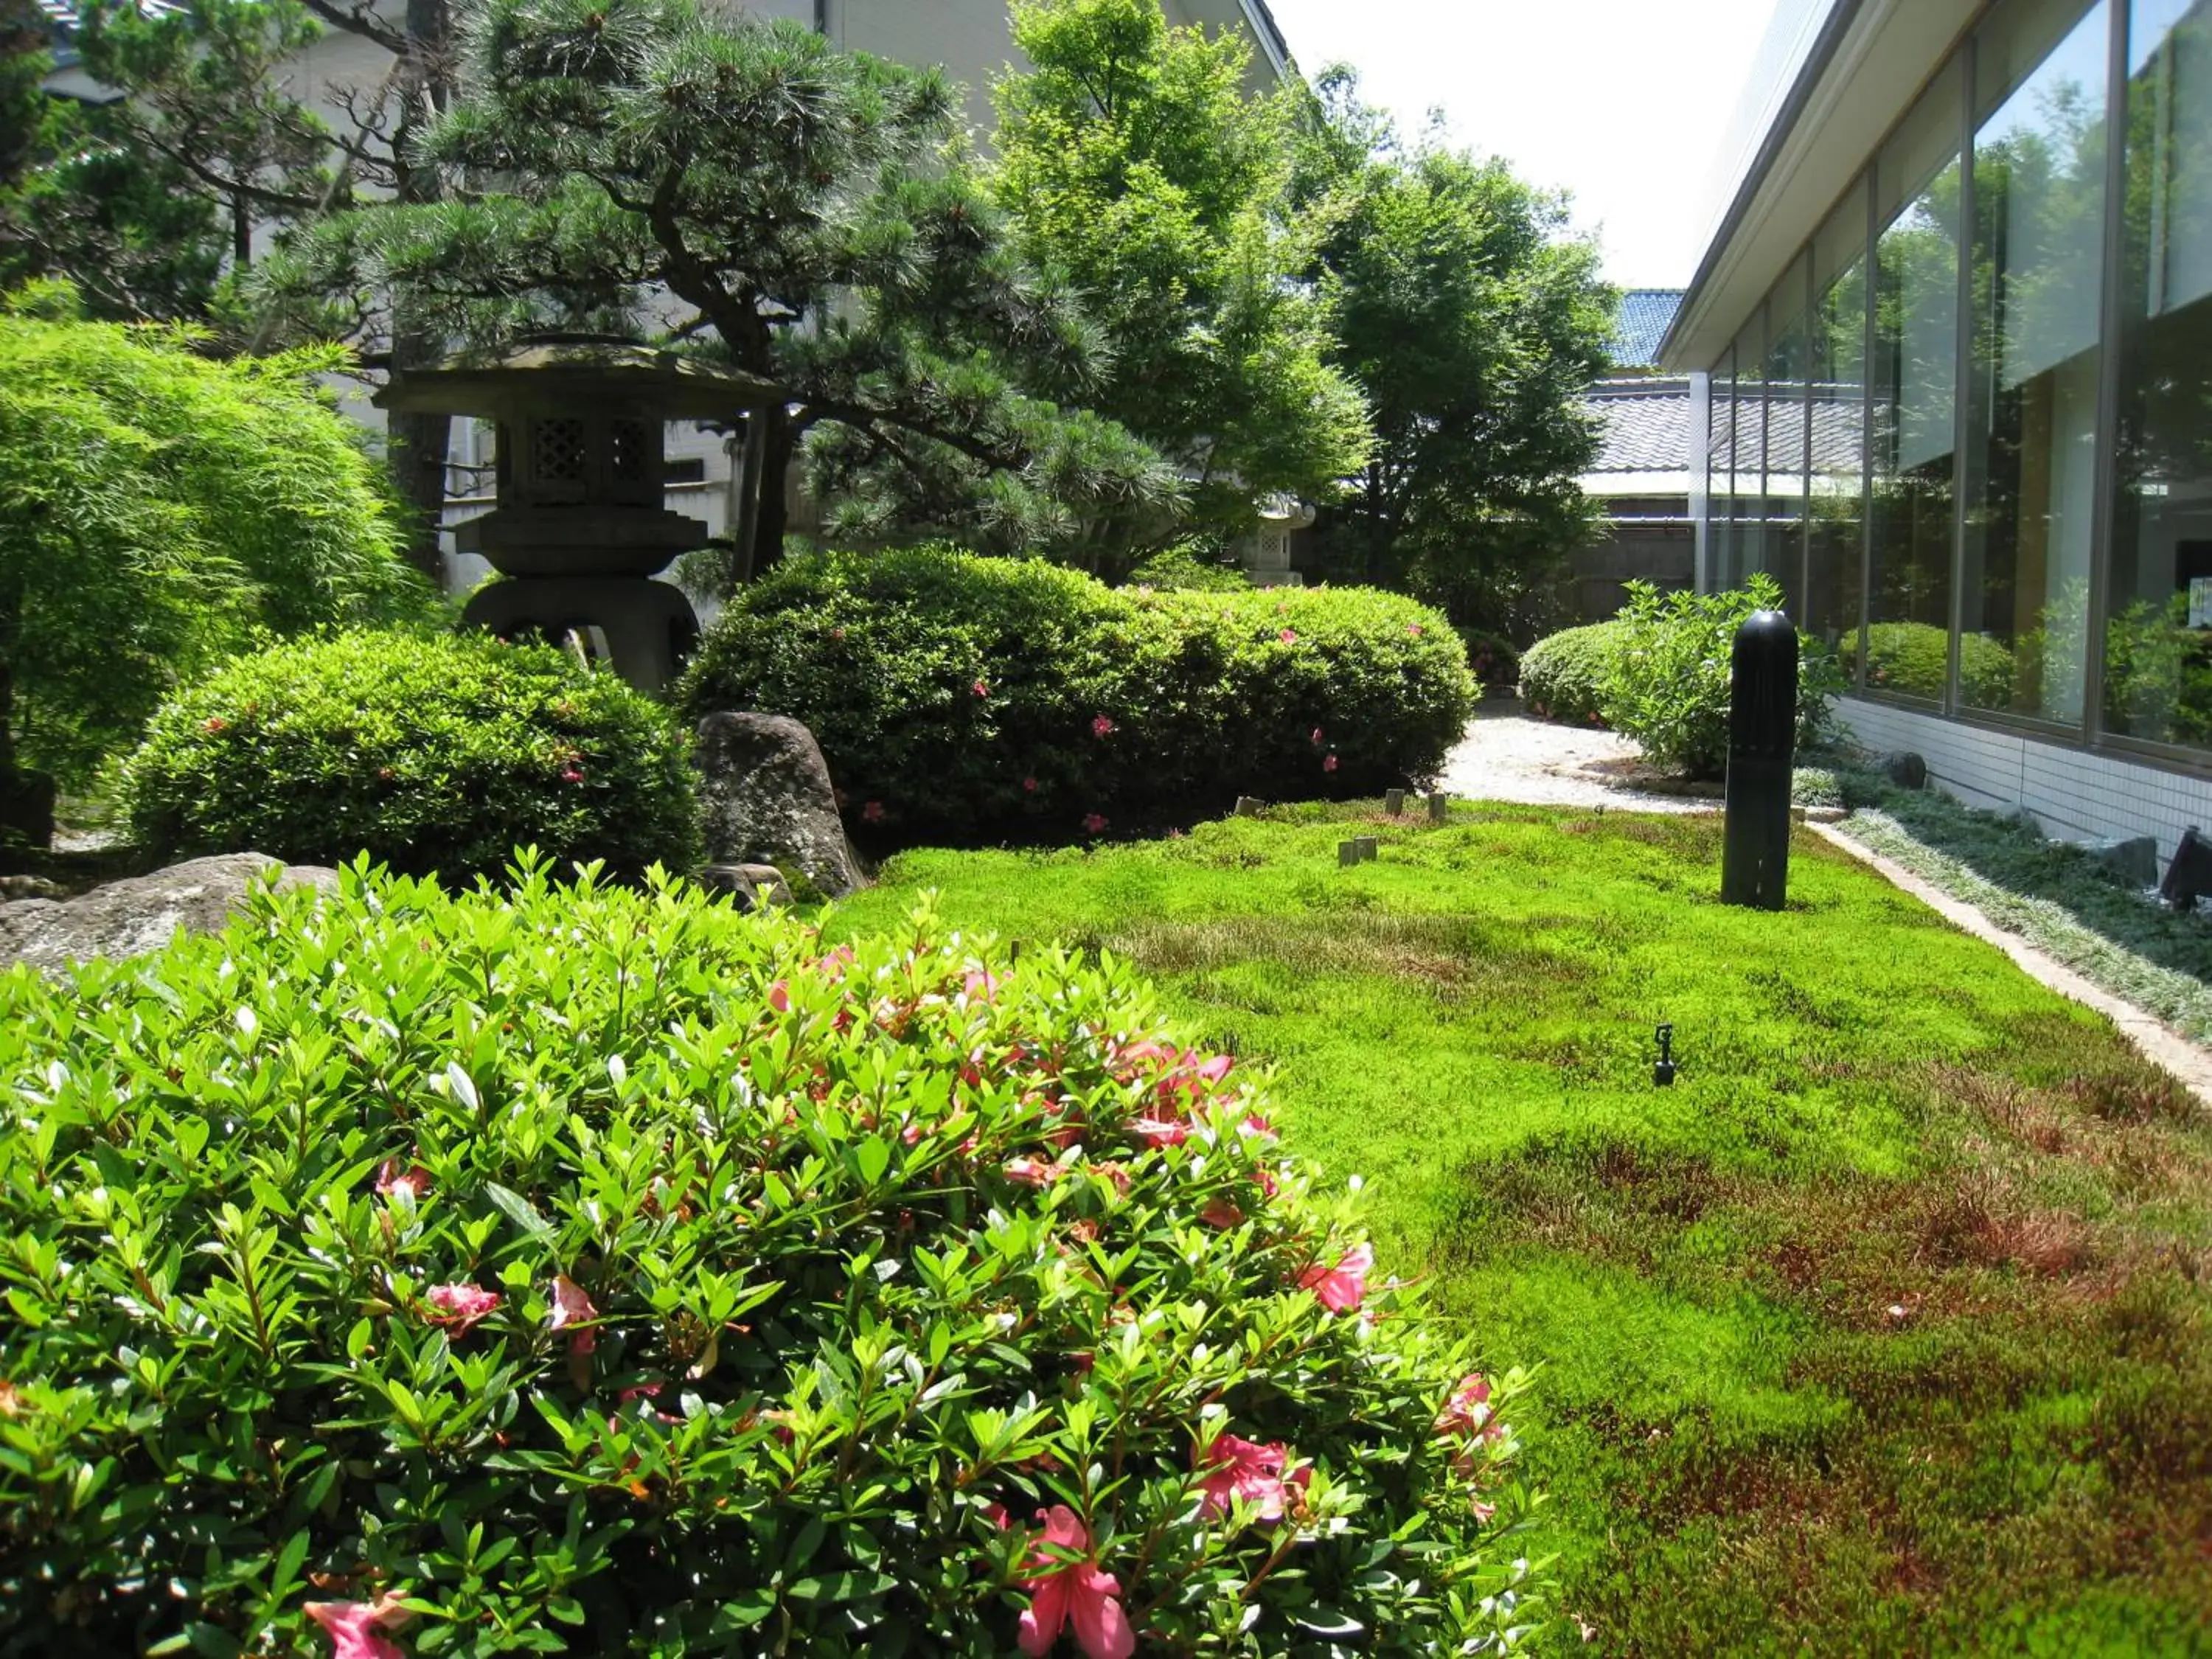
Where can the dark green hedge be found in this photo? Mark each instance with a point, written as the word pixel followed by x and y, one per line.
pixel 1562 676
pixel 958 698
pixel 430 753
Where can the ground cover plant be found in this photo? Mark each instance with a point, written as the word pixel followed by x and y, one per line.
pixel 581 1269
pixel 966 699
pixel 1885 1329
pixel 431 753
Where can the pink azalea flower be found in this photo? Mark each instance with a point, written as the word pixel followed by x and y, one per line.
pixel 1288 636
pixel 1066 1592
pixel 414 1180
pixel 1467 1411
pixel 1116 1173
pixel 1033 1171
pixel 997 1516
pixel 873 812
pixel 1341 1288
pixel 1256 1126
pixel 1316 737
pixel 1093 823
pixel 1159 1131
pixel 571 775
pixel 1329 764
pixel 779 996
pixel 1265 1178
pixel 459 1306
pixel 356 1628
pixel 981 689
pixel 572 1307
pixel 1413 630
pixel 1028 786
pixel 1222 1214
pixel 981 985
pixel 1101 727
pixel 1245 1469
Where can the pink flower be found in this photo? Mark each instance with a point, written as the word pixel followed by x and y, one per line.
pixel 1101 727
pixel 1329 764
pixel 1265 1178
pixel 414 1180
pixel 572 1309
pixel 779 996
pixel 836 633
pixel 997 1516
pixel 1316 737
pixel 1467 1411
pixel 1074 1592
pixel 1414 631
pixel 459 1306
pixel 1028 786
pixel 873 812
pixel 981 689
pixel 1093 823
pixel 1341 1288
pixel 1118 1174
pixel 1254 1126
pixel 1245 1469
pixel 981 985
pixel 356 1628
pixel 1288 636
pixel 1159 1131
pixel 1033 1171
pixel 571 775
pixel 213 724
pixel 1222 1213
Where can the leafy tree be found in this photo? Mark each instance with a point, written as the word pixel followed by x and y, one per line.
pixel 156 508
pixel 1133 160
pixel 1473 323
pixel 739 187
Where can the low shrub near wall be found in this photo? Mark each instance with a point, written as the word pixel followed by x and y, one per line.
pixel 957 697
pixel 1913 658
pixel 1563 676
pixel 592 1270
pixel 429 752
pixel 1669 680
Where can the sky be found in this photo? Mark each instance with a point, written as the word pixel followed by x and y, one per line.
pixel 1627 104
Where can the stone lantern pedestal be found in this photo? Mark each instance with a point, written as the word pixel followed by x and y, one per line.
pixel 580 527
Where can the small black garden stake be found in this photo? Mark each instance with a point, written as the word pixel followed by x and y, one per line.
pixel 1762 744
pixel 1663 1073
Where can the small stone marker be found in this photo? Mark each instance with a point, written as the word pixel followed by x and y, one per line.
pixel 1369 849
pixel 1247 806
pixel 1359 850
pixel 1347 853
pixel 1439 807
pixel 1394 801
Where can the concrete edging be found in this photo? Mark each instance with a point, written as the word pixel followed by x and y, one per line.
pixel 2162 1046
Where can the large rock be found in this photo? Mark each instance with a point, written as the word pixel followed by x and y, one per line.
pixel 765 797
pixel 131 918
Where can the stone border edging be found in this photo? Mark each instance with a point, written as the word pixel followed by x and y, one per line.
pixel 2159 1044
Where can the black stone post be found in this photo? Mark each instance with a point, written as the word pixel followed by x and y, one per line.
pixel 1762 744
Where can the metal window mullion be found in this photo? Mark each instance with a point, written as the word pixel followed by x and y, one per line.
pixel 2103 488
pixel 1962 375
pixel 1870 287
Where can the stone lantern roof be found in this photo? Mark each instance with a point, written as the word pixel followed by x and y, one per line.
pixel 556 375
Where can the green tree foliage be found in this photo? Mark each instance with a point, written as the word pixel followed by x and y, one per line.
pixel 156 508
pixel 1133 160
pixel 1473 323
pixel 806 215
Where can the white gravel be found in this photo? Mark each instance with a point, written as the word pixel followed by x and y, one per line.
pixel 1506 756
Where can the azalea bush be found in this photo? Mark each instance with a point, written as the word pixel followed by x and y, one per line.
pixel 429 752
pixel 959 699
pixel 1563 676
pixel 1669 677
pixel 590 1270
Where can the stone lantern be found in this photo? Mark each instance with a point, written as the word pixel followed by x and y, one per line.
pixel 581 526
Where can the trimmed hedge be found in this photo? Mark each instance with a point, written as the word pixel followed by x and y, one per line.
pixel 1914 657
pixel 429 753
pixel 962 698
pixel 1562 676
pixel 591 1270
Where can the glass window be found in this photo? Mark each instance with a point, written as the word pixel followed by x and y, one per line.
pixel 1720 458
pixel 1914 377
pixel 1748 544
pixel 2032 429
pixel 1784 493
pixel 1835 417
pixel 2158 637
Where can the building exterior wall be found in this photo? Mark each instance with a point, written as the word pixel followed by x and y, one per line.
pixel 2011 288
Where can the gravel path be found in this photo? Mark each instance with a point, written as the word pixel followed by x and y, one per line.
pixel 1506 756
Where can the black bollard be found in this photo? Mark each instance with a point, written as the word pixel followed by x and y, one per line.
pixel 1762 744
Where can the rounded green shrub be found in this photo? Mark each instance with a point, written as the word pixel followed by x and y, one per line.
pixel 588 1269
pixel 428 752
pixel 1669 680
pixel 962 698
pixel 1563 676
pixel 1912 659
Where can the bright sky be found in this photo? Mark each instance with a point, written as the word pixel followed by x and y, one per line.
pixel 1625 104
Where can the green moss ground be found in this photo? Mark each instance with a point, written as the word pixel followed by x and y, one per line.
pixel 1887 1329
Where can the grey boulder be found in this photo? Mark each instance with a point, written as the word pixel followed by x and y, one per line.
pixel 766 797
pixel 133 917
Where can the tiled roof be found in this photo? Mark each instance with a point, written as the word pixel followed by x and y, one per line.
pixel 1641 323
pixel 1648 426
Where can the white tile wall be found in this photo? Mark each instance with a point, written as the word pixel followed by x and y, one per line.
pixel 2073 794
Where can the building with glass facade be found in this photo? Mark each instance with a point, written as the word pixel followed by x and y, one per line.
pixel 1957 323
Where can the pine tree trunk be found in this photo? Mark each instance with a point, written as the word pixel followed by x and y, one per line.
pixel 420 444
pixel 780 443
